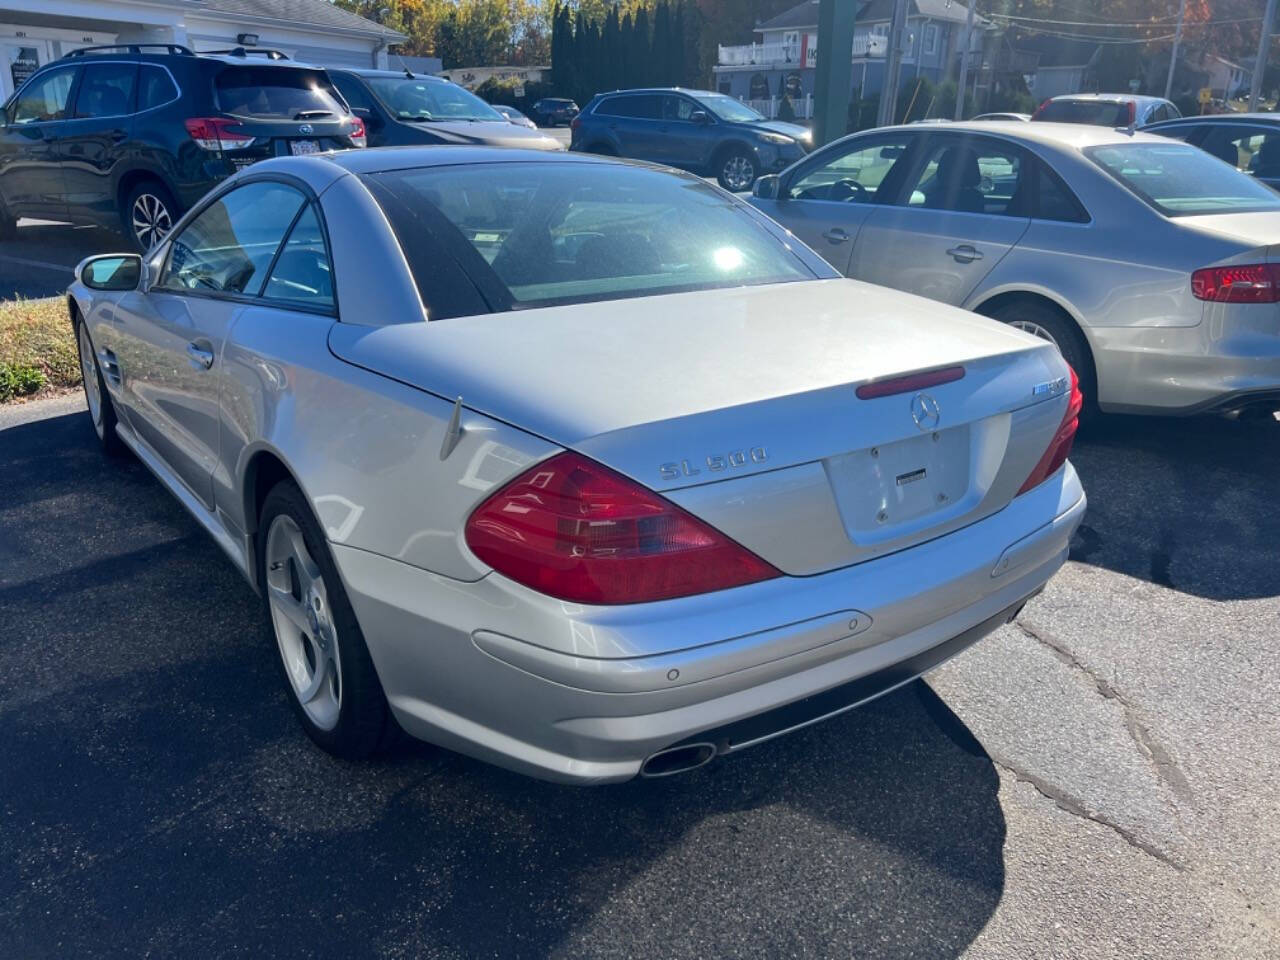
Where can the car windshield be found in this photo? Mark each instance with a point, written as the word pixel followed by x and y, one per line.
pixel 727 108
pixel 277 93
pixel 1101 113
pixel 1181 180
pixel 421 99
pixel 541 234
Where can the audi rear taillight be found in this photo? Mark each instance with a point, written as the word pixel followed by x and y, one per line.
pixel 1060 446
pixel 211 133
pixel 358 136
pixel 1133 113
pixel 576 530
pixel 1250 283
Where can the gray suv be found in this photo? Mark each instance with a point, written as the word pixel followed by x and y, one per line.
pixel 695 130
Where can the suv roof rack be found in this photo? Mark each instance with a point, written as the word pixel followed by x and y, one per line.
pixel 266 52
pixel 174 48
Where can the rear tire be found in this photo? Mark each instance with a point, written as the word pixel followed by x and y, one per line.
pixel 102 414
pixel 1049 323
pixel 736 170
pixel 148 214
pixel 602 150
pixel 328 674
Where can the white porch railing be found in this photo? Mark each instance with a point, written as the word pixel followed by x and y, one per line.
pixel 785 54
pixel 801 106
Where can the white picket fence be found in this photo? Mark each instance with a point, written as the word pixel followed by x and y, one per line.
pixel 803 108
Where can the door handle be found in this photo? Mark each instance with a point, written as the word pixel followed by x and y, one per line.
pixel 965 253
pixel 200 357
pixel 836 235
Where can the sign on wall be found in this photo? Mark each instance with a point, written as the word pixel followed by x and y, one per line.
pixel 25 62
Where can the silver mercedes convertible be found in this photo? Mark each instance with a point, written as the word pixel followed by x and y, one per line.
pixel 578 466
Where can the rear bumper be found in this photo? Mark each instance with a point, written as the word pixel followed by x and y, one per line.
pixel 583 695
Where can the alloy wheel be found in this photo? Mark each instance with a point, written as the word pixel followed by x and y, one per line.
pixel 1028 326
pixel 89 373
pixel 304 628
pixel 151 220
pixel 738 172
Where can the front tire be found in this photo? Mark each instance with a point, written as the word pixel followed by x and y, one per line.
pixel 102 414
pixel 736 170
pixel 328 674
pixel 1045 322
pixel 148 214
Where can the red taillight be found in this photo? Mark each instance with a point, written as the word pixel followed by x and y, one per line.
pixel 1040 109
pixel 358 136
pixel 1060 446
pixel 211 133
pixel 576 122
pixel 914 381
pixel 1249 283
pixel 577 530
pixel 1133 113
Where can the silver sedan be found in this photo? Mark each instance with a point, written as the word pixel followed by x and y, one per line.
pixel 575 465
pixel 1151 264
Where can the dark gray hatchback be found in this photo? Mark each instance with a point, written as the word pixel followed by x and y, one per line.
pixel 695 130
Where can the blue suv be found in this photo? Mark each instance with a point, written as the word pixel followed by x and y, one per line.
pixel 696 130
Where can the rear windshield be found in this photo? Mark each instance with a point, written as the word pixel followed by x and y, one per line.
pixel 541 234
pixel 276 93
pixel 418 99
pixel 1101 113
pixel 1180 180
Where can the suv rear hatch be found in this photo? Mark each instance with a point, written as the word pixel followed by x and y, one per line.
pixel 274 111
pixel 743 405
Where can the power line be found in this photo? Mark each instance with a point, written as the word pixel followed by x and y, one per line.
pixel 1108 23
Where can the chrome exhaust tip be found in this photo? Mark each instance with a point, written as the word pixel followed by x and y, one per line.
pixel 681 759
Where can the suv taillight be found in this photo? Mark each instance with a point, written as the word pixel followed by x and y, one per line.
pixel 574 529
pixel 1060 446
pixel 576 122
pixel 211 133
pixel 1040 109
pixel 358 136
pixel 1247 283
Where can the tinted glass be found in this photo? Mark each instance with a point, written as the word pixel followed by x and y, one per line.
pixel 1255 150
pixel 277 94
pixel 352 91
pixel 970 176
pixel 155 87
pixel 1055 201
pixel 1181 180
pixel 228 246
pixel 550 233
pixel 1181 131
pixel 643 106
pixel 853 176
pixel 106 90
pixel 1102 113
pixel 678 108
pixel 302 272
pixel 727 108
pixel 422 99
pixel 44 99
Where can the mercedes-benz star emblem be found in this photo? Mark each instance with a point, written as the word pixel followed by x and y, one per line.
pixel 925 412
pixel 306 128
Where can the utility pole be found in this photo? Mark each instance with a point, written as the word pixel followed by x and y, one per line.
pixel 1173 57
pixel 892 64
pixel 834 72
pixel 964 60
pixel 1264 47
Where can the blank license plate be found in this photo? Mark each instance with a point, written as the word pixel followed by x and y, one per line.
pixel 299 147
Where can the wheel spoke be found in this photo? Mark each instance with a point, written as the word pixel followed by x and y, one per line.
pixel 292 610
pixel 308 572
pixel 318 677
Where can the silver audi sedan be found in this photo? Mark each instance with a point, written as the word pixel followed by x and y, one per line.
pixel 1152 265
pixel 575 465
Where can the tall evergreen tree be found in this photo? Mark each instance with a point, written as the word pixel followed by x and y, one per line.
pixel 642 48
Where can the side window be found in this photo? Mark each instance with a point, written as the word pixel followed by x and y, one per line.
pixel 229 245
pixel 854 175
pixel 971 175
pixel 44 99
pixel 1181 131
pixel 677 108
pixel 155 87
pixel 302 272
pixel 1054 199
pixel 352 91
pixel 106 90
pixel 1252 149
pixel 643 106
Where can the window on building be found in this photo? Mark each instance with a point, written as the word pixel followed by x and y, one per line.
pixel 931 39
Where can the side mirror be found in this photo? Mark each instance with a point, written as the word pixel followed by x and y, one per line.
pixel 370 117
pixel 767 187
pixel 114 271
pixel 700 116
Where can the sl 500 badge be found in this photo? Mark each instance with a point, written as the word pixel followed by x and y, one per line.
pixel 715 463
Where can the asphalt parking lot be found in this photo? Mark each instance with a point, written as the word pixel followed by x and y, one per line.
pixel 1100 779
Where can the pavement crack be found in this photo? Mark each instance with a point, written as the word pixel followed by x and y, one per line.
pixel 1069 804
pixel 1160 758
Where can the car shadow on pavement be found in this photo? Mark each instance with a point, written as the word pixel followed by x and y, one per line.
pixel 1185 503
pixel 159 797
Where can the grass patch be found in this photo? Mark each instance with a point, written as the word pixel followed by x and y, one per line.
pixel 37 348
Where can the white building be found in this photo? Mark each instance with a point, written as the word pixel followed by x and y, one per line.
pixel 33 32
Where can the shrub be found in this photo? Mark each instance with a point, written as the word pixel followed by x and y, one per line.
pixel 37 347
pixel 19 380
